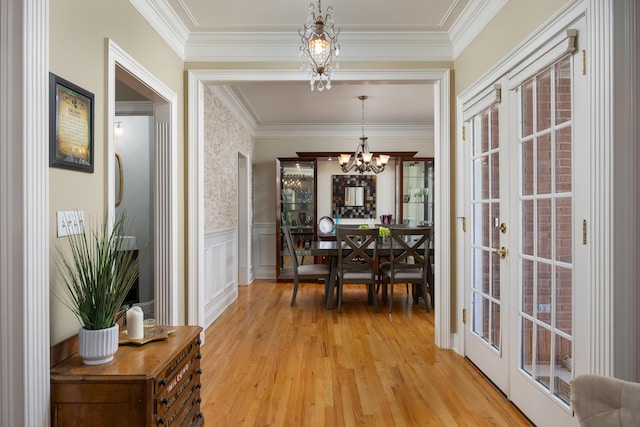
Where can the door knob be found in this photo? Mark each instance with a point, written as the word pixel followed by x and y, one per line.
pixel 502 252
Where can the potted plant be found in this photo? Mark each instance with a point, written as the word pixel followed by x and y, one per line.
pixel 96 278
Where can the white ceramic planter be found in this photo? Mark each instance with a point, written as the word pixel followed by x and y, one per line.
pixel 98 346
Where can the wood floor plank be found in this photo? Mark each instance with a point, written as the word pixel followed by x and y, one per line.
pixel 268 364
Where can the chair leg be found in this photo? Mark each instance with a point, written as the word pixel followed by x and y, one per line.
pixel 340 296
pixel 295 292
pixel 391 296
pixel 426 297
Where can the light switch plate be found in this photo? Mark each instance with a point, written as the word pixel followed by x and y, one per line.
pixel 70 223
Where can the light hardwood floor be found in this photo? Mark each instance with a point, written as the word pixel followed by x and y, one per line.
pixel 268 364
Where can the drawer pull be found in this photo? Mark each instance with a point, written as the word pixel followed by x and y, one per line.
pixel 198 341
pixel 198 385
pixel 160 421
pixel 199 414
pixel 198 371
pixel 198 356
pixel 162 382
pixel 198 399
pixel 164 400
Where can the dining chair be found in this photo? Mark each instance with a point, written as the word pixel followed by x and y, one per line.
pixel 305 272
pixel 409 261
pixel 357 257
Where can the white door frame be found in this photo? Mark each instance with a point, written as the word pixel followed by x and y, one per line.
pixel 245 218
pixel 166 205
pixel 441 79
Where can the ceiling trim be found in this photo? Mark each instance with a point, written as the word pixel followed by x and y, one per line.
pixel 471 22
pixel 391 131
pixel 166 23
pixel 220 78
pixel 360 46
pixel 283 47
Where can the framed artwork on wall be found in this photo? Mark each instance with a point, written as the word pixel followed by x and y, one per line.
pixel 71 111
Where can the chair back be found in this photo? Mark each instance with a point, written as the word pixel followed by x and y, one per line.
pixel 410 250
pixel 357 249
pixel 292 251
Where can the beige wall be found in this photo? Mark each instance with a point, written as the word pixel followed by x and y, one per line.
pixel 78 30
pixel 515 22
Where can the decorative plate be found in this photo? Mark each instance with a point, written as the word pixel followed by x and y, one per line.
pixel 159 333
pixel 326 225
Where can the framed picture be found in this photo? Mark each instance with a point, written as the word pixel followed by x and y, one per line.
pixel 70 125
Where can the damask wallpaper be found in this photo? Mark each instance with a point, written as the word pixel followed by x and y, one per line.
pixel 223 137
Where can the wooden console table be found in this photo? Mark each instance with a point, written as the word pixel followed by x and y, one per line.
pixel 154 384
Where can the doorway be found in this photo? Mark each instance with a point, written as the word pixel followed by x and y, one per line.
pixel 524 248
pixel 162 175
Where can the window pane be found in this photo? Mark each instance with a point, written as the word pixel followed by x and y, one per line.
pixel 564 299
pixel 495 175
pixel 563 90
pixel 495 126
pixel 495 325
pixel 564 226
pixel 544 164
pixel 526 347
pixel 543 292
pixel 484 140
pixel 527 168
pixel 543 356
pixel 563 367
pixel 563 160
pixel 527 109
pixel 527 287
pixel 544 228
pixel 527 227
pixel 543 97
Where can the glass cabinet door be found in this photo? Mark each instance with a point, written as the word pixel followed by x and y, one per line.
pixel 417 192
pixel 296 208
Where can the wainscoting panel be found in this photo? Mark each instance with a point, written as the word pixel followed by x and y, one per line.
pixel 264 250
pixel 220 272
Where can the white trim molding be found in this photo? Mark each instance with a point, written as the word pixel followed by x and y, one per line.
pixel 166 180
pixel 612 66
pixel 442 84
pixel 366 45
pixel 24 213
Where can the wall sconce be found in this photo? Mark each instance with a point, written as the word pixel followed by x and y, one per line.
pixel 117 132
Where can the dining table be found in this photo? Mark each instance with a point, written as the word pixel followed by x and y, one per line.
pixel 329 249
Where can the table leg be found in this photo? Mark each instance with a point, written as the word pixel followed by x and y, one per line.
pixel 332 282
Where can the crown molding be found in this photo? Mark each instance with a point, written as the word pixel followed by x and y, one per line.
pixel 471 22
pixel 390 131
pixel 296 131
pixel 282 46
pixel 235 107
pixel 166 23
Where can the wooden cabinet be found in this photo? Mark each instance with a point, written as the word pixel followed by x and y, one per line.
pixel 295 207
pixel 416 191
pixel 150 385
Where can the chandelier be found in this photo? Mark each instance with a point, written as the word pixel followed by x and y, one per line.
pixel 319 45
pixel 363 160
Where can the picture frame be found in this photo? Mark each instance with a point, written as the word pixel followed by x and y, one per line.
pixel 71 125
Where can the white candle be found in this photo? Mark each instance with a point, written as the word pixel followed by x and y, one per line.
pixel 135 323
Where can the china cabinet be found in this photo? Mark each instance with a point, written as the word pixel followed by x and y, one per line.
pixel 415 178
pixel 296 180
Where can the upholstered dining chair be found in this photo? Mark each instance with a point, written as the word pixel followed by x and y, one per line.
pixel 306 272
pixel 409 261
pixel 357 257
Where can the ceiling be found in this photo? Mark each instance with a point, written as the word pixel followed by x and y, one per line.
pixel 370 31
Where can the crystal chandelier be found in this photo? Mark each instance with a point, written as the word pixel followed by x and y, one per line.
pixel 319 45
pixel 363 160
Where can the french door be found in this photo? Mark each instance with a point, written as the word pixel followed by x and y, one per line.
pixel 524 243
